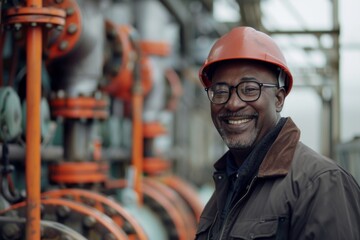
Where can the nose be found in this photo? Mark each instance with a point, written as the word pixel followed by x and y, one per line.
pixel 234 103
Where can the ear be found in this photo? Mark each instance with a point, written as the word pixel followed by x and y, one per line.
pixel 280 99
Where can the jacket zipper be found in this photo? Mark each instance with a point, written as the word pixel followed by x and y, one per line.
pixel 236 204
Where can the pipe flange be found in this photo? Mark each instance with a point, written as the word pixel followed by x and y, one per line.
pixel 65 42
pixel 17 18
pixel 80 108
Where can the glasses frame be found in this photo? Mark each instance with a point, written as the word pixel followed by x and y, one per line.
pixel 261 85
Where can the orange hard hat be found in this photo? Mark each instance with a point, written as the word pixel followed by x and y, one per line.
pixel 246 43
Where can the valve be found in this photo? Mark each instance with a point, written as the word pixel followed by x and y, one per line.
pixel 10 114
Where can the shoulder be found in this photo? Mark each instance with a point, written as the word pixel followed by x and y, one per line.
pixel 310 169
pixel 311 163
pixel 318 184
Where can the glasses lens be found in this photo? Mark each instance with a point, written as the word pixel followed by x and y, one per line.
pixel 248 91
pixel 218 93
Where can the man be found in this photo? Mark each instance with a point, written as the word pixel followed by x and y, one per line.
pixel 269 185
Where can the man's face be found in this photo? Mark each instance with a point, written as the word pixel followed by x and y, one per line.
pixel 243 124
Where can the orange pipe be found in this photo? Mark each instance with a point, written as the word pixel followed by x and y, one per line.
pixel 33 138
pixel 138 139
pixel 137 128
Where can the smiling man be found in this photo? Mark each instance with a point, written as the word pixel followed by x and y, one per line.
pixel 268 185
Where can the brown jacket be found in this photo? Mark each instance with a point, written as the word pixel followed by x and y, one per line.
pixel 297 194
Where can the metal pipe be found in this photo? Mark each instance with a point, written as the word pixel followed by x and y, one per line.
pixel 77 74
pixel 137 125
pixel 55 153
pixel 33 132
pixel 137 148
pixel 152 29
pixel 336 108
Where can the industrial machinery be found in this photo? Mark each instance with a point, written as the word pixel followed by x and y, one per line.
pixel 87 97
pixel 104 130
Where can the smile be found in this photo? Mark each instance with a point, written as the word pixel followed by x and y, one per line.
pixel 237 122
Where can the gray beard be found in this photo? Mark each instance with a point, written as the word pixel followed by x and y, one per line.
pixel 238 142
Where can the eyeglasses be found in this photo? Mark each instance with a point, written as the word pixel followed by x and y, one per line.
pixel 248 91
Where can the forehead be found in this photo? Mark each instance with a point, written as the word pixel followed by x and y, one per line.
pixel 243 68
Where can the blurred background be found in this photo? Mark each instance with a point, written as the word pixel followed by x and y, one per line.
pixel 105 129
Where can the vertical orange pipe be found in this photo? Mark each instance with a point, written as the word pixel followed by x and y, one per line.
pixel 33 141
pixel 137 128
pixel 138 138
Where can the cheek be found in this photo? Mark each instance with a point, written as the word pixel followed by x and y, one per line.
pixel 267 118
pixel 267 112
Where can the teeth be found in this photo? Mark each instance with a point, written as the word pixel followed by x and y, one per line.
pixel 239 121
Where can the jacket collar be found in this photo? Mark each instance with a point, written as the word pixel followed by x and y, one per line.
pixel 278 159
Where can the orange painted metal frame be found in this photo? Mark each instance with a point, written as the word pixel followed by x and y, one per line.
pixel 79 172
pixel 156 165
pixel 80 102
pixel 137 99
pixel 71 38
pixel 33 131
pixel 81 113
pixel 137 150
pixel 154 129
pixel 121 84
pixel 101 202
pixel 81 107
pixel 176 197
pixel 186 191
pixel 80 208
pixel 175 207
pixel 34 16
pixel 155 48
pixel 38 15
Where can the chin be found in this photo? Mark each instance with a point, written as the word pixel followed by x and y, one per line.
pixel 241 144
